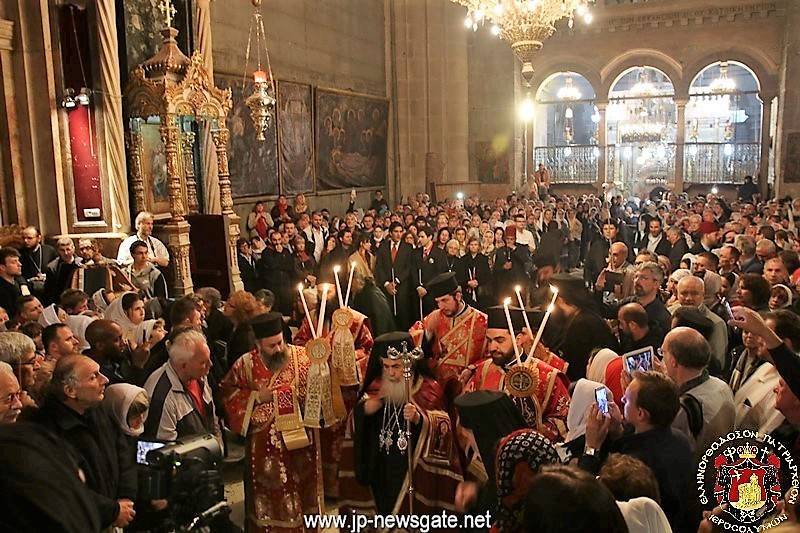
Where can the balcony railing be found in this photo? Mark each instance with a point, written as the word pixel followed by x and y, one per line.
pixel 569 164
pixel 720 162
pixel 642 164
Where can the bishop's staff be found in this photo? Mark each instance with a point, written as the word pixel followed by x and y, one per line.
pixel 409 358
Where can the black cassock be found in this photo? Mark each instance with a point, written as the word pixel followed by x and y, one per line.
pixel 384 473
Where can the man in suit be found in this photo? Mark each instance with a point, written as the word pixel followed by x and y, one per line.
pixel 393 273
pixel 678 246
pixel 429 261
pixel 247 266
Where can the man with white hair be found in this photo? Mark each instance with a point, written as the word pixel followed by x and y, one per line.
pixel 181 402
pixel 19 352
pixel 691 291
pixel 10 395
pixel 157 252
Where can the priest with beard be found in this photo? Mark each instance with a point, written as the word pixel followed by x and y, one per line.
pixel 376 450
pixel 545 401
pixel 350 338
pixel 452 335
pixel 263 393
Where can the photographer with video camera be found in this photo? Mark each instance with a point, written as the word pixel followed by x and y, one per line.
pixel 72 412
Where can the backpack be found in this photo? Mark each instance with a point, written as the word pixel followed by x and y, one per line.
pixel 694 413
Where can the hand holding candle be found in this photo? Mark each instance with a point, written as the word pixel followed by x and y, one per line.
pixel 336 269
pixel 544 320
pixel 305 308
pixel 506 303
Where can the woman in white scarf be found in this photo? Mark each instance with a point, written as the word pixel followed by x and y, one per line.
pixel 128 312
pixel 128 405
pixel 78 324
pixel 52 314
pixel 596 369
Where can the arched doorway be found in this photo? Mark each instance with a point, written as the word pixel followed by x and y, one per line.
pixel 565 133
pixel 641 130
pixel 723 125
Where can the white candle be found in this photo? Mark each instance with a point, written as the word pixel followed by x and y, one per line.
pixel 349 283
pixel 518 290
pixel 544 320
pixel 325 287
pixel 336 270
pixel 305 308
pixel 506 303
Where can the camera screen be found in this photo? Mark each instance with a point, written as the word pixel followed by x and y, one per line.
pixel 142 447
pixel 641 360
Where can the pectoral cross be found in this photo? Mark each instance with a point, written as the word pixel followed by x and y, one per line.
pixel 167 11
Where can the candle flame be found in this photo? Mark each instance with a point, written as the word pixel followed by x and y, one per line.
pixel 554 289
pixel 300 287
pixel 507 301
pixel 337 268
pixel 517 288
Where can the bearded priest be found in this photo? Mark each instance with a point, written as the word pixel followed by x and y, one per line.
pixel 262 393
pixel 386 426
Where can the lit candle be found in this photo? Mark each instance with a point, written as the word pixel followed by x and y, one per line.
pixel 336 270
pixel 260 76
pixel 506 303
pixel 349 282
pixel 544 320
pixel 518 290
pixel 325 287
pixel 305 308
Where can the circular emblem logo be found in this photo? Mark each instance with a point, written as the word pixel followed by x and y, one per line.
pixel 342 318
pixel 520 381
pixel 750 472
pixel 318 350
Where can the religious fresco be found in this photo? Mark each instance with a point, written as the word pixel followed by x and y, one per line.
pixel 154 169
pixel 351 136
pixel 492 164
pixel 295 138
pixel 253 164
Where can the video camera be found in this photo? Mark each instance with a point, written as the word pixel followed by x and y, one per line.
pixel 186 474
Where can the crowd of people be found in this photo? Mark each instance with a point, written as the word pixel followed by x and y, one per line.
pixel 433 355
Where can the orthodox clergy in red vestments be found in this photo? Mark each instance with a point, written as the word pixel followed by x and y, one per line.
pixel 263 393
pixel 374 470
pixel 453 335
pixel 539 390
pixel 350 338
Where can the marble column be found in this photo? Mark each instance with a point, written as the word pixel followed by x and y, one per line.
pixel 602 142
pixel 680 139
pixel 211 192
pixel 763 162
pixel 13 184
pixel 109 106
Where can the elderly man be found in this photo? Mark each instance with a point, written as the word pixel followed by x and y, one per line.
pixel 157 252
pixel 775 271
pixel 678 245
pixel 59 271
pixel 181 402
pixel 10 395
pixel 19 352
pixel 707 409
pixel 691 291
pixel 620 282
pixel 72 412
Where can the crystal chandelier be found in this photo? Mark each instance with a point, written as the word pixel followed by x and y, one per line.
pixel 569 91
pixel 262 101
pixel 723 84
pixel 524 24
pixel 643 87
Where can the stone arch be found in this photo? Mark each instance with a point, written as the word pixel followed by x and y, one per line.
pixel 543 73
pixel 643 58
pixel 764 68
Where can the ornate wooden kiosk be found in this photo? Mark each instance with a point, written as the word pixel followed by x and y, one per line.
pixel 168 92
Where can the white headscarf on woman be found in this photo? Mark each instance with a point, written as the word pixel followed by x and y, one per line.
pixel 78 325
pixel 597 367
pixel 132 332
pixel 117 401
pixel 582 398
pixel 50 315
pixel 643 515
pixel 713 283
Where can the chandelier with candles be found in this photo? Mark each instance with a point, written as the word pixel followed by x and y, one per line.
pixel 524 24
pixel 262 101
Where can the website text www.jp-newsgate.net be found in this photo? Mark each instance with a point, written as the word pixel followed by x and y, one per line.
pixel 354 523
